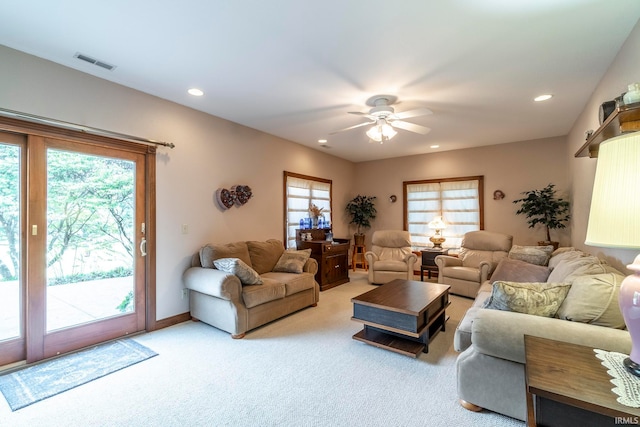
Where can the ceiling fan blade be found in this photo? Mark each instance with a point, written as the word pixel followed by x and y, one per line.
pixel 411 127
pixel 352 127
pixel 413 113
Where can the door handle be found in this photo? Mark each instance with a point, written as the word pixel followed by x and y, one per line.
pixel 143 247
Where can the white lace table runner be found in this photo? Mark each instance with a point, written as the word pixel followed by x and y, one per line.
pixel 627 385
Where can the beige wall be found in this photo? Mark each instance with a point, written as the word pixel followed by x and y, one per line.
pixel 512 168
pixel 213 153
pixel 624 69
pixel 210 153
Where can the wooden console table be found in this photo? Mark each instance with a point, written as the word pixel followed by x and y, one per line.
pixel 567 386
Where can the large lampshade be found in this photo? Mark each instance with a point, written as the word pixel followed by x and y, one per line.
pixel 614 218
pixel 614 221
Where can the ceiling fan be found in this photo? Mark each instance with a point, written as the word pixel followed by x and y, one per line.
pixel 384 119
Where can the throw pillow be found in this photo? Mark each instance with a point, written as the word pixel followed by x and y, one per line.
pixel 246 274
pixel 211 252
pixel 513 270
pixel 567 267
pixel 538 255
pixel 265 255
pixel 594 299
pixel 539 299
pixel 292 261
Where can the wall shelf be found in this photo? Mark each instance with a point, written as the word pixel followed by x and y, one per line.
pixel 623 119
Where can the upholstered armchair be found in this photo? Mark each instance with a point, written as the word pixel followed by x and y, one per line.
pixel 390 256
pixel 479 255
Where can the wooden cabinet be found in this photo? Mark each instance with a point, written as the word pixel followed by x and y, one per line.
pixel 332 257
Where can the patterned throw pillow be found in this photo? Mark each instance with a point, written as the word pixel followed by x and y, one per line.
pixel 538 255
pixel 540 299
pixel 246 274
pixel 292 261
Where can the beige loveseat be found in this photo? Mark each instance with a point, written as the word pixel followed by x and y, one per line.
pixel 239 286
pixel 490 369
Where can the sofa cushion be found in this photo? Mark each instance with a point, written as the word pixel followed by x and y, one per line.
pixel 565 255
pixel 211 252
pixel 246 274
pixel 594 299
pixel 294 283
pixel 292 261
pixel 540 299
pixel 532 254
pixel 569 266
pixel 265 255
pixel 270 290
pixel 513 270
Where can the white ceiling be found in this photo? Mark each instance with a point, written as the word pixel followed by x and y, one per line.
pixel 295 68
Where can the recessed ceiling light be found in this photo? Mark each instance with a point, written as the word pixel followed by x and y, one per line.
pixel 435 146
pixel 542 97
pixel 195 92
pixel 322 141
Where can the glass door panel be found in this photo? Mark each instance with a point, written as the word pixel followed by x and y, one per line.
pixel 90 258
pixel 10 241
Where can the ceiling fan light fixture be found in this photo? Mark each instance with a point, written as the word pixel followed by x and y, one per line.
pixel 381 132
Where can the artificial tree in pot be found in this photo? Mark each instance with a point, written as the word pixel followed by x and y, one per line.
pixel 543 207
pixel 362 210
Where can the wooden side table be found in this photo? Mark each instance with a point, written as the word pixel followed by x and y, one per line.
pixel 429 261
pixel 567 386
pixel 357 257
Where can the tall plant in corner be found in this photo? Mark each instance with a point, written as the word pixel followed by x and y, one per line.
pixel 362 210
pixel 543 207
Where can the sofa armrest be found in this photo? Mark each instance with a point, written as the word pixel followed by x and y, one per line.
pixel 447 261
pixel 501 333
pixel 213 282
pixel 311 266
pixel 411 258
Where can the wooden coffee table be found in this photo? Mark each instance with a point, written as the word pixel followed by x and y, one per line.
pixel 402 315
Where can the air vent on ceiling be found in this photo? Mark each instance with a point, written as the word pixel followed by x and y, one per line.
pixel 94 61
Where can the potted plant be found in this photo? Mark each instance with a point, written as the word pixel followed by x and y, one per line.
pixel 543 207
pixel 361 209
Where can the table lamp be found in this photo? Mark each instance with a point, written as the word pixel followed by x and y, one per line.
pixel 614 221
pixel 437 224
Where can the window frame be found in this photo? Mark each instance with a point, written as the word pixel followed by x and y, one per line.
pixel 285 210
pixel 479 178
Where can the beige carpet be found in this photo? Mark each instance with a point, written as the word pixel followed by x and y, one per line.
pixel 303 370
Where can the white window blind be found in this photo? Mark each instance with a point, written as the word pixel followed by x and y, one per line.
pixel 457 201
pixel 301 192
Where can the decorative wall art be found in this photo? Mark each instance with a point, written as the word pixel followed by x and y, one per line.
pixel 238 195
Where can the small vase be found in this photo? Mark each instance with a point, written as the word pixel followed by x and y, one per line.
pixel 633 95
pixel 314 222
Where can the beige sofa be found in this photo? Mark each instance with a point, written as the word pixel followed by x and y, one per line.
pixel 239 286
pixel 490 369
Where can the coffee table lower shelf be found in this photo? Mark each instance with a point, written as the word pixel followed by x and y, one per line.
pixel 399 341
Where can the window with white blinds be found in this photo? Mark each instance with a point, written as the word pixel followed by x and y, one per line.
pixel 300 192
pixel 457 200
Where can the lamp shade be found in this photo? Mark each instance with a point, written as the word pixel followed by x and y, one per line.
pixel 437 224
pixel 614 217
pixel 381 131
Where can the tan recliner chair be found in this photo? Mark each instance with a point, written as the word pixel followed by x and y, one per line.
pixel 390 256
pixel 480 253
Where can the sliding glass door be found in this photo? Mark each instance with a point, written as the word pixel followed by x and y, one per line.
pixel 11 247
pixel 72 246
